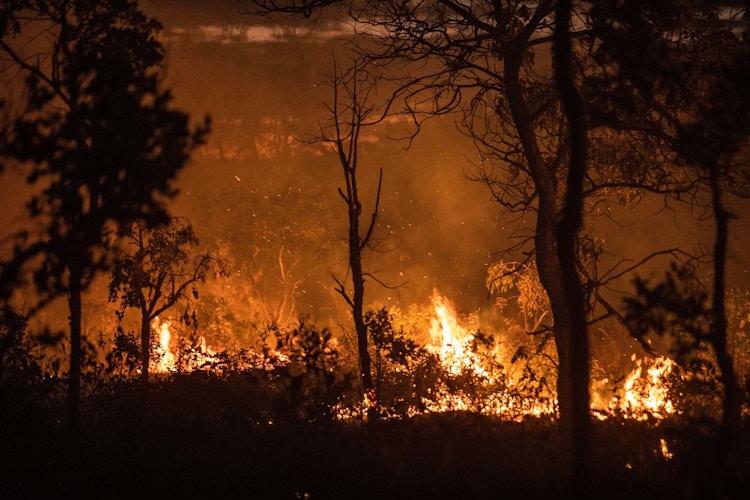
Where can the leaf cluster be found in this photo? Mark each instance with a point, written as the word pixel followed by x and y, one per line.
pixel 97 137
pixel 676 307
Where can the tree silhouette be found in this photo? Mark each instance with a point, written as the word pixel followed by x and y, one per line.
pixel 157 271
pixel 350 110
pixel 482 60
pixel 687 83
pixel 490 62
pixel 97 138
pixel 568 228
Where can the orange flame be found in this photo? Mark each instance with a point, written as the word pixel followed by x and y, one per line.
pixel 453 340
pixel 649 394
pixel 166 360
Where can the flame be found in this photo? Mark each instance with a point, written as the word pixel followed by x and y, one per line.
pixel 664 448
pixel 648 394
pixel 166 360
pixel 199 356
pixel 644 393
pixel 454 341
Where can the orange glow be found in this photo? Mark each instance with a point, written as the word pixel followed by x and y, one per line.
pixel 451 340
pixel 649 394
pixel 495 385
pixel 644 393
pixel 166 361
pixel 453 344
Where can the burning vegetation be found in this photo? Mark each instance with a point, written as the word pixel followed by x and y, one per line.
pixel 127 354
pixel 457 369
pixel 434 371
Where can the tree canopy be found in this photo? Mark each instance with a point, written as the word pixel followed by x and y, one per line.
pixel 96 138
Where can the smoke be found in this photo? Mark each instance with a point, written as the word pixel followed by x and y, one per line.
pixel 270 202
pixel 435 229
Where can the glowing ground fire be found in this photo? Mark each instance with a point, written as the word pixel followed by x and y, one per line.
pixel 643 394
pixel 166 361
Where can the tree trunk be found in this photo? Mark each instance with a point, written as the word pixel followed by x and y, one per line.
pixel 145 345
pixel 73 402
pixel 547 262
pixel 358 285
pixel 732 416
pixel 567 233
pixel 362 341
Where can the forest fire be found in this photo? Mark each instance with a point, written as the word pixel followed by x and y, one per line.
pixel 451 339
pixel 644 393
pixel 649 394
pixel 485 383
pixel 197 356
pixel 247 304
pixel 166 361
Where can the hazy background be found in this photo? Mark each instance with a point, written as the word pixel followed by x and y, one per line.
pixel 257 194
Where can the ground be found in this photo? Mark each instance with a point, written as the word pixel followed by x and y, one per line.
pixel 197 443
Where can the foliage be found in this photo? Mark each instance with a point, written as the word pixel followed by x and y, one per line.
pixel 676 307
pixel 532 300
pixel 492 377
pixel 96 138
pixel 21 364
pixel 404 372
pixel 124 357
pixel 158 267
pixel 158 270
pixel 97 135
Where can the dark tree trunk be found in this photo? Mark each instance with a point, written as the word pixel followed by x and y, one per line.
pixel 358 284
pixel 358 293
pixel 548 265
pixel 73 403
pixel 145 346
pixel 567 234
pixel 732 417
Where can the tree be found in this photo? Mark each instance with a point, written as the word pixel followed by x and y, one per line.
pixel 479 59
pixel 352 109
pixel 97 139
pixel 568 227
pixel 157 272
pixel 489 61
pixel 687 83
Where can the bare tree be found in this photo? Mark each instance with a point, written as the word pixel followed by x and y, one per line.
pixel 351 109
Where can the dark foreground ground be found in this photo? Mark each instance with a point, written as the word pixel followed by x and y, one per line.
pixel 198 445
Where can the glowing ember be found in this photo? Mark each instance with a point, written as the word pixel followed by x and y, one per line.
pixel 665 449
